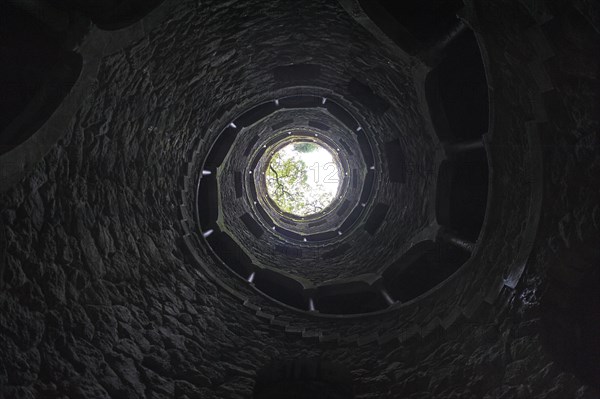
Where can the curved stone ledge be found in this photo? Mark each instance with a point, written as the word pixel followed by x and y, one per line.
pixel 97 44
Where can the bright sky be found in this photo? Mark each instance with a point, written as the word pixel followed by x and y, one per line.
pixel 323 174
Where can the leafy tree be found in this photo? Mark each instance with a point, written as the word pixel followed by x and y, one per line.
pixel 287 185
pixel 305 147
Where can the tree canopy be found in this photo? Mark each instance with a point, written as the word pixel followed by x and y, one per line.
pixel 305 147
pixel 288 183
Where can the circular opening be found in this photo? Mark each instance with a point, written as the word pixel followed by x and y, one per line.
pixel 302 178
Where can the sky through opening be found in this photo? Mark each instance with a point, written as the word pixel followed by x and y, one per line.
pixel 302 178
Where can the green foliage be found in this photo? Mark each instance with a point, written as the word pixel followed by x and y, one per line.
pixel 287 185
pixel 305 147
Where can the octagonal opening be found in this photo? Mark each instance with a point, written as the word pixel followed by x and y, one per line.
pixel 303 178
